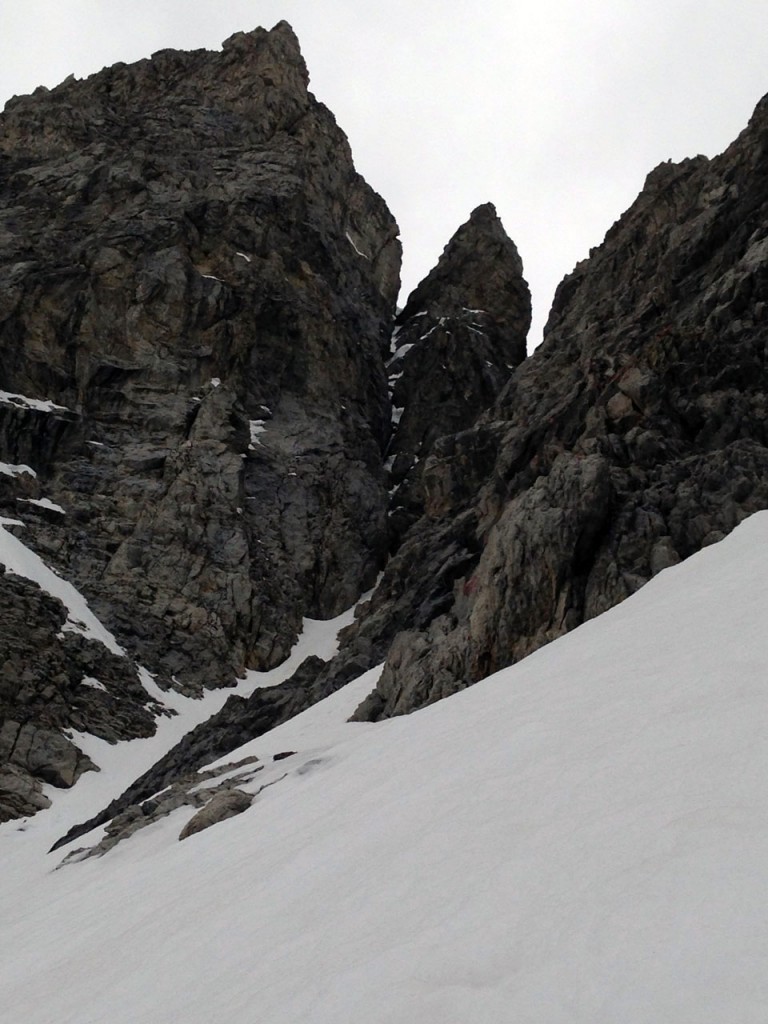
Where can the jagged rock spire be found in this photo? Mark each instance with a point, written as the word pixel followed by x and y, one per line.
pixel 460 335
pixel 480 268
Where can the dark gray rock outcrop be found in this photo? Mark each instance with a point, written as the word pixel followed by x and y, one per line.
pixel 461 333
pixel 196 301
pixel 53 680
pixel 21 794
pixel 635 435
pixel 197 273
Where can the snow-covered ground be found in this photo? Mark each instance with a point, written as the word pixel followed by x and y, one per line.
pixel 580 839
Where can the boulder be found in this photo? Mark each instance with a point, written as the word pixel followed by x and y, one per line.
pixel 21 794
pixel 219 808
pixel 42 754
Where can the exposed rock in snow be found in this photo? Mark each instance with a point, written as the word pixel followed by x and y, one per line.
pixel 219 808
pixel 579 838
pixel 8 470
pixel 44 688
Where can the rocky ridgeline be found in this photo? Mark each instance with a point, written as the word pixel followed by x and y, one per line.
pixel 203 286
pixel 632 437
pixel 635 435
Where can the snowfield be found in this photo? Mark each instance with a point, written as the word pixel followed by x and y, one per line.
pixel 580 839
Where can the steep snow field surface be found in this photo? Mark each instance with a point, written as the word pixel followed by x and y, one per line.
pixel 580 838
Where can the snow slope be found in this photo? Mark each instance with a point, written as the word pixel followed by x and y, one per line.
pixel 23 561
pixel 582 838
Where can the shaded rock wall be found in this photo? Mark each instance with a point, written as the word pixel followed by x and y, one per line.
pixel 635 435
pixel 461 333
pixel 196 300
pixel 631 438
pixel 181 242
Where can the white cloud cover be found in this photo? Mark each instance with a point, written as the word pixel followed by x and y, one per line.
pixel 553 110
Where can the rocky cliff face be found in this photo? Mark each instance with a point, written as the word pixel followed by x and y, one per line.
pixel 635 435
pixel 213 424
pixel 195 310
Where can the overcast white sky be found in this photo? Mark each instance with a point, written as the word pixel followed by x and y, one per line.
pixel 555 110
